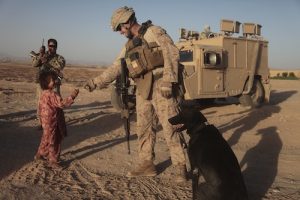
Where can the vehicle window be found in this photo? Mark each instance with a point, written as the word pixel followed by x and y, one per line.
pixel 212 58
pixel 186 56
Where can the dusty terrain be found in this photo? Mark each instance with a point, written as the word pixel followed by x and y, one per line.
pixel 265 140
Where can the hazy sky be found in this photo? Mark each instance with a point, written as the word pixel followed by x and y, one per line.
pixel 83 31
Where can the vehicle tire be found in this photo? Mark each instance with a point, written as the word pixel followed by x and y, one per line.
pixel 256 96
pixel 115 98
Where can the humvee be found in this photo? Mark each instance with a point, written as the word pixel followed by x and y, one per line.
pixel 224 64
pixel 220 65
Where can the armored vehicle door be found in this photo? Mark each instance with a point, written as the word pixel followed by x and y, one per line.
pixel 204 70
pixel 212 67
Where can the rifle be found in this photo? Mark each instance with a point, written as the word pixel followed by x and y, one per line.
pixel 124 98
pixel 45 66
pixel 42 51
pixel 43 48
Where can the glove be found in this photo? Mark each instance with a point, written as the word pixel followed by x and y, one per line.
pixel 166 89
pixel 75 93
pixel 90 85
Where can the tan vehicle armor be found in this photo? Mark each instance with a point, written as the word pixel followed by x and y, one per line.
pixel 219 65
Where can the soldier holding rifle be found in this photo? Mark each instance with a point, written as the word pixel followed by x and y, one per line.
pixel 152 61
pixel 48 60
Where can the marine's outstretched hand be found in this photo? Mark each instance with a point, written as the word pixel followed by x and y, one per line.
pixel 90 85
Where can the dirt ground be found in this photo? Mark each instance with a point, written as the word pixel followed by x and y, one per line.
pixel 265 140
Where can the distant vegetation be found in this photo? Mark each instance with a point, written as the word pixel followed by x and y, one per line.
pixel 285 76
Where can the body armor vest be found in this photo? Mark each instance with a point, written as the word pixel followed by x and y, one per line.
pixel 141 56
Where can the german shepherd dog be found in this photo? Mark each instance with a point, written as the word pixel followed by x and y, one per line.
pixel 210 156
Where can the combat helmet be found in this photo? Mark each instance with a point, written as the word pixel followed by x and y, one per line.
pixel 121 16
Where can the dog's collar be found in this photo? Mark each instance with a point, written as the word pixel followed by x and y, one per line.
pixel 200 127
pixel 193 135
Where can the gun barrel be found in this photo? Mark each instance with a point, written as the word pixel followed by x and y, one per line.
pixel 33 54
pixel 127 130
pixel 124 98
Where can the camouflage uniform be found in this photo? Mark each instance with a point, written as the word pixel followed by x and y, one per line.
pixel 56 62
pixel 155 104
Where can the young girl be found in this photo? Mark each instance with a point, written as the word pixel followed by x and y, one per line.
pixel 52 119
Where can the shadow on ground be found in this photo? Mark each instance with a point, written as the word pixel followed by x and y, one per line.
pixel 261 161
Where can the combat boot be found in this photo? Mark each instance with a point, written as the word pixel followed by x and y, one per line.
pixel 146 168
pixel 180 173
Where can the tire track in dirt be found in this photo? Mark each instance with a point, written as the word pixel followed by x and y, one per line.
pixel 78 181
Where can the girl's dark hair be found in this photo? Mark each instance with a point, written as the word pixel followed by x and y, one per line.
pixel 43 78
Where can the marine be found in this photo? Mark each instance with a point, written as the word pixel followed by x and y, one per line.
pixel 152 60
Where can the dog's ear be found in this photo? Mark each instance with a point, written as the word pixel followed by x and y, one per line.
pixel 175 120
pixel 192 116
pixel 188 116
pixel 199 117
